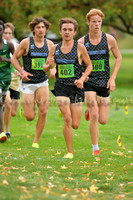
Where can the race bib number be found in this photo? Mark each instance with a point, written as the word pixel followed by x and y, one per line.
pixel 37 63
pixel 66 71
pixel 98 65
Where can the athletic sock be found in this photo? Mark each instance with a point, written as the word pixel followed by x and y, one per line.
pixel 95 147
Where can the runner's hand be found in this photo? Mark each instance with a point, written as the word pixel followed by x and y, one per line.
pixel 111 84
pixel 52 73
pixel 51 61
pixel 25 76
pixel 79 83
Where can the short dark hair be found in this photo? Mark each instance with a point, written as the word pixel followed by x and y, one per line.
pixel 68 20
pixel 37 20
pixel 2 23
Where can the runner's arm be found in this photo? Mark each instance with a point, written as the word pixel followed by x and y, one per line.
pixel 21 51
pixel 50 62
pixel 116 53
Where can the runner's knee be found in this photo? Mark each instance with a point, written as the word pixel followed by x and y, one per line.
pixel 75 125
pixel 103 121
pixel 67 120
pixel 29 116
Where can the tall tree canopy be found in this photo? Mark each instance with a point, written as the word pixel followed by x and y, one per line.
pixel 118 13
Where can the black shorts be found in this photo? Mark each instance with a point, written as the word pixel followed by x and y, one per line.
pixel 101 91
pixel 75 94
pixel 14 94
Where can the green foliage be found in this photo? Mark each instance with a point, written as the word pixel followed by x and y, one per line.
pixel 118 13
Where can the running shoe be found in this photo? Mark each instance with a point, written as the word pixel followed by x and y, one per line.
pixel 87 115
pixel 97 152
pixel 35 145
pixel 3 137
pixel 69 155
pixel 8 134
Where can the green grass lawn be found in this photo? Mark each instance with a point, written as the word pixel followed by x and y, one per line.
pixel 28 173
pixel 36 174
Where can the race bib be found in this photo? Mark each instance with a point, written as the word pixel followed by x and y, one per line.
pixel 66 71
pixel 37 63
pixel 98 65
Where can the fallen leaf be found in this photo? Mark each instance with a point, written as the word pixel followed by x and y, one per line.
pixel 93 189
pixel 130 183
pixel 66 189
pixel 5 174
pixel 102 174
pixel 124 171
pixel 69 178
pixel 51 178
pixel 109 179
pixel 50 184
pixel 56 172
pixel 36 173
pixel 84 190
pixel 32 163
pixel 4 182
pixel 126 110
pixel 104 149
pixel 88 174
pixel 57 153
pixel 100 192
pixel 22 179
pixel 48 167
pixel 22 189
pixel 98 159
pixel 63 167
pixel 14 168
pixel 120 196
pixel 85 179
pixel 119 141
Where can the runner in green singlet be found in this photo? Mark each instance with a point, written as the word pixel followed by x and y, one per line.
pixel 6 48
pixel 13 94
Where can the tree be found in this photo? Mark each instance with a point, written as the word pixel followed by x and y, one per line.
pixel 118 13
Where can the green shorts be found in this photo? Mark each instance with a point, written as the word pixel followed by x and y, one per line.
pixel 4 85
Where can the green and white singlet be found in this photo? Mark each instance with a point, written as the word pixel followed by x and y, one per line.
pixel 5 70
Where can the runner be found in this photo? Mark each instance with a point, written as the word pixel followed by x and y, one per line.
pixel 13 94
pixel 34 51
pixel 68 87
pixel 6 48
pixel 99 84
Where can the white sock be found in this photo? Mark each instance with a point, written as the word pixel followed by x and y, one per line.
pixel 95 147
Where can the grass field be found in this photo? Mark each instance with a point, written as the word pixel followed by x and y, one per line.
pixel 28 173
pixel 36 174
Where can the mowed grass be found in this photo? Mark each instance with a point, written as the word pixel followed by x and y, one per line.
pixel 28 173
